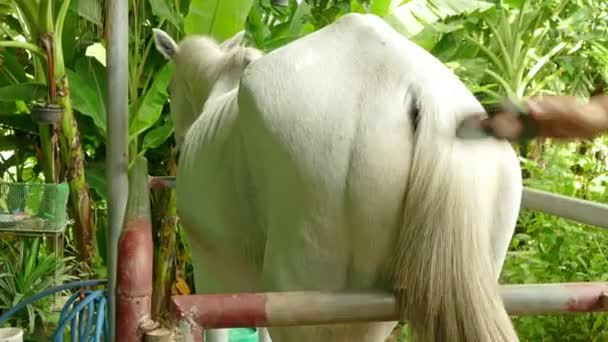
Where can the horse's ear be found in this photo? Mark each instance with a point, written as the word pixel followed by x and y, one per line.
pixel 233 41
pixel 164 43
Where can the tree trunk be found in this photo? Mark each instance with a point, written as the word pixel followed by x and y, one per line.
pixel 81 204
pixel 135 254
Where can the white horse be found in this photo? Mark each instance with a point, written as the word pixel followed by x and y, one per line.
pixel 332 164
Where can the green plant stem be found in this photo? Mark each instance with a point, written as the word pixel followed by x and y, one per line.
pixel 46 144
pixel 39 19
pixel 165 220
pixel 164 265
pixel 80 198
pixel 81 202
pixel 23 45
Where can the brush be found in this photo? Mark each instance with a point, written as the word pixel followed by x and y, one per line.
pixel 473 128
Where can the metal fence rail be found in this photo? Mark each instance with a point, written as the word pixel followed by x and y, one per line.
pixel 311 308
pixel 582 211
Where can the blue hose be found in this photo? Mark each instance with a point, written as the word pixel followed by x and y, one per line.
pixel 75 317
pixel 69 316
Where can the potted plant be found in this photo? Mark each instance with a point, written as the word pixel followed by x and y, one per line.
pixel 46 113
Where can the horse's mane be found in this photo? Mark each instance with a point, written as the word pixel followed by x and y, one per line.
pixel 206 60
pixel 203 68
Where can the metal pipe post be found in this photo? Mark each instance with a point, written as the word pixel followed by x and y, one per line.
pixel 312 308
pixel 117 163
pixel 576 209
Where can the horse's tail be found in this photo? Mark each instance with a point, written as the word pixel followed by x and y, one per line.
pixel 443 273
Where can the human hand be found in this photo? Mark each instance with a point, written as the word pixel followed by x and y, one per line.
pixel 567 117
pixel 560 117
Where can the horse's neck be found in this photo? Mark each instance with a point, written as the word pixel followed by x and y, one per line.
pixel 222 103
pixel 216 94
pixel 227 82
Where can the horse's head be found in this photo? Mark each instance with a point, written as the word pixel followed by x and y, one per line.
pixel 203 69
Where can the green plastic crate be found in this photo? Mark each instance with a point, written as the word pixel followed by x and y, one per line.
pixel 33 207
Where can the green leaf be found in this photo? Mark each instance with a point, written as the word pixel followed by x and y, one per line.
pixel 25 92
pixel 380 7
pixel 299 19
pixel 87 99
pixel 152 103
pixel 8 143
pixel 255 27
pixel 72 27
pixel 91 10
pixel 96 178
pixel 11 71
pixel 158 135
pixel 220 19
pixel 98 52
pixel 162 9
pixel 541 62
pixel 413 16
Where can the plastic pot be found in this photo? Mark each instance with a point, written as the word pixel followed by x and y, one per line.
pixel 11 335
pixel 47 114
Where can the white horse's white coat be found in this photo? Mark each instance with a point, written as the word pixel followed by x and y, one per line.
pixel 311 167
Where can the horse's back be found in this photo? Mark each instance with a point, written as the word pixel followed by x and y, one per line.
pixel 329 122
pixel 329 133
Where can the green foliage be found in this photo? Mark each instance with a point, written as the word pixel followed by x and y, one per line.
pixel 151 106
pixel 525 48
pixel 88 90
pixel 551 249
pixel 26 271
pixel 26 92
pixel 219 19
pixel 517 47
pixel 422 20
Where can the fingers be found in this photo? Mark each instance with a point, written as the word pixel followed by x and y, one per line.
pixel 559 117
pixel 567 117
pixel 553 107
